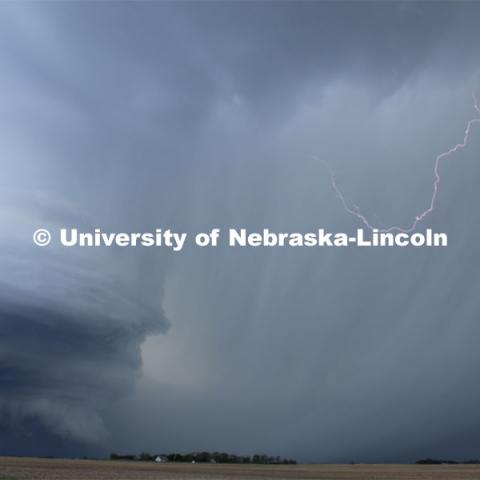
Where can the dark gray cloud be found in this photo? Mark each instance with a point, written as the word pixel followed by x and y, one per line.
pixel 200 115
pixel 71 335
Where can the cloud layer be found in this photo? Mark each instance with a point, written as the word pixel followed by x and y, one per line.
pixel 200 115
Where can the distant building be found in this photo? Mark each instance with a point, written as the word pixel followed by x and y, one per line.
pixel 159 459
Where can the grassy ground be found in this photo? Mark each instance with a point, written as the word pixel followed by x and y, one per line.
pixel 47 469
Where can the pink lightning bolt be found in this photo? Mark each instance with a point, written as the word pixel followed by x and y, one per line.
pixel 355 210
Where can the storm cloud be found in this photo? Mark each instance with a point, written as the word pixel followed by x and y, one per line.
pixel 71 335
pixel 195 115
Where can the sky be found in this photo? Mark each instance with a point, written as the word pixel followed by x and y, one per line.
pixel 199 115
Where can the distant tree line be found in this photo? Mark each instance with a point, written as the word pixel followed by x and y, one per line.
pixel 208 457
pixel 433 461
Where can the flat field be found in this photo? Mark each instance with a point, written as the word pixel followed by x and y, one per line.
pixel 48 469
